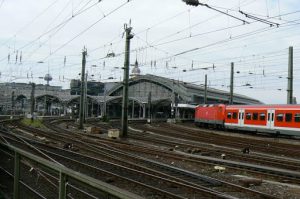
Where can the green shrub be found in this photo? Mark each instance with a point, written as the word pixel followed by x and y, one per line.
pixel 37 123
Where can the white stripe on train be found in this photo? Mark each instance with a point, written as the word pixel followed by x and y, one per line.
pixel 262 127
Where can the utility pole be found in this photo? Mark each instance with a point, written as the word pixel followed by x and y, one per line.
pixel 104 105
pixel 32 100
pixel 173 102
pixel 205 90
pixel 124 121
pixel 290 77
pixel 45 101
pixel 231 83
pixel 81 106
pixel 86 105
pixel 149 106
pixel 12 103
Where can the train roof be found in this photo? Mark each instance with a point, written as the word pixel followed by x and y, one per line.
pixel 286 106
pixel 266 106
pixel 211 105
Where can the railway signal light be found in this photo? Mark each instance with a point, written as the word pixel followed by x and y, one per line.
pixel 191 2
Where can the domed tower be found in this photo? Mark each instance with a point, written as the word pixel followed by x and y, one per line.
pixel 48 78
pixel 136 70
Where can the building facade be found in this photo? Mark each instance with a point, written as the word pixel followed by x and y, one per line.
pixel 150 96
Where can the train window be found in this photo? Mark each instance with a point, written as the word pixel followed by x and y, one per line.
pixel 279 117
pixel 234 115
pixel 229 115
pixel 268 116
pixel 262 116
pixel 297 117
pixel 248 116
pixel 288 117
pixel 255 116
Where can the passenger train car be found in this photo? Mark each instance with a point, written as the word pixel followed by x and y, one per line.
pixel 277 119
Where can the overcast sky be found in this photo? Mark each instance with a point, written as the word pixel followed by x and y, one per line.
pixel 171 39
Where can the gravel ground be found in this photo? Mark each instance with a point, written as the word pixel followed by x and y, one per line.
pixel 280 190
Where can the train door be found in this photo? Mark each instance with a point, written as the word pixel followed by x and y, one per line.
pixel 271 118
pixel 241 117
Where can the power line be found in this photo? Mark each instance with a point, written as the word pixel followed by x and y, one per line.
pixel 226 40
pixel 194 25
pixel 199 34
pixel 197 3
pixel 59 27
pixel 259 19
pixel 82 32
pixel 179 39
pixel 31 22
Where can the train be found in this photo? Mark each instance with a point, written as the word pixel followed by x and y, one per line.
pixel 274 119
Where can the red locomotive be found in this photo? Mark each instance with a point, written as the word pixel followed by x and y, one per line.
pixel 277 119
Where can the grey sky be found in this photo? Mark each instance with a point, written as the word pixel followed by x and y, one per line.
pixel 164 30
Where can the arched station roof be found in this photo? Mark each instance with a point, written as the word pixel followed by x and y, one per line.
pixel 161 88
pixel 186 91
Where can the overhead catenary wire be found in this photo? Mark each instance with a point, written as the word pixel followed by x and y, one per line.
pixel 60 25
pixel 284 23
pixel 259 19
pixel 151 47
pixel 86 29
pixel 224 41
pixel 222 12
pixel 29 23
pixel 196 24
pixel 147 29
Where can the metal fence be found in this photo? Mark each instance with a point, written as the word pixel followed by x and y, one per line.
pixel 109 191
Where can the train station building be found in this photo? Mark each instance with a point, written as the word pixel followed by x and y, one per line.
pixel 149 96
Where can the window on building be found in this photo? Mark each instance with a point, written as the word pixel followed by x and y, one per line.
pixel 297 117
pixel 279 117
pixel 234 115
pixel 229 115
pixel 288 117
pixel 262 116
pixel 255 116
pixel 248 116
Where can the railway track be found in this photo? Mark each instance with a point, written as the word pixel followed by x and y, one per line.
pixel 257 146
pixel 260 172
pixel 262 166
pixel 211 136
pixel 176 176
pixel 120 176
pixel 167 137
pixel 189 146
